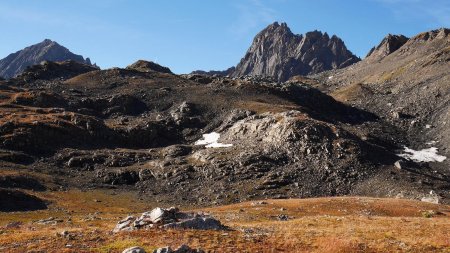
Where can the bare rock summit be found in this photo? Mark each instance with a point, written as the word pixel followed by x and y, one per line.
pixel 47 50
pixel 279 53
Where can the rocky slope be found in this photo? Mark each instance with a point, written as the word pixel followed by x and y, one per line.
pixel 138 129
pixel 407 82
pixel 47 50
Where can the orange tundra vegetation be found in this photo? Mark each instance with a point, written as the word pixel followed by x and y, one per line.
pixel 340 224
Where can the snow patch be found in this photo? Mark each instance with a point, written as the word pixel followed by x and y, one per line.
pixel 424 155
pixel 210 140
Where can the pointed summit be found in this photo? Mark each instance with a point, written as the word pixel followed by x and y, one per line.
pixel 46 50
pixel 388 45
pixel 278 53
pixel 274 29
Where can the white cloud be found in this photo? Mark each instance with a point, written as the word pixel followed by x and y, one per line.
pixel 54 19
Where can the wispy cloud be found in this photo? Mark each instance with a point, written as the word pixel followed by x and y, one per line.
pixel 435 13
pixel 252 13
pixel 74 22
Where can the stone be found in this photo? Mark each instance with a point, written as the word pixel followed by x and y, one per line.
pixel 169 218
pixel 163 250
pixel 49 221
pixel 145 174
pixel 202 223
pixel 182 249
pixel 124 225
pixel 398 164
pixel 14 224
pixel 121 177
pixel 158 215
pixel 258 203
pixel 135 249
pixel 431 198
pixel 282 217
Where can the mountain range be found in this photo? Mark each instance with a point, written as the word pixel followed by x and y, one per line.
pixel 299 117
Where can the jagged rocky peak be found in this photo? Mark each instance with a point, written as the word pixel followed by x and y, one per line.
pixel 441 33
pixel 46 50
pixel 388 45
pixel 148 66
pixel 279 53
pixel 275 28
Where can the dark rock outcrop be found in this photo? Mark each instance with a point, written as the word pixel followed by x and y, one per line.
pixel 148 66
pixel 279 53
pixel 13 201
pixel 47 50
pixel 47 70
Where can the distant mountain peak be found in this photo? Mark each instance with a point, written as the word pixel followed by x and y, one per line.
pixel 148 66
pixel 47 50
pixel 387 46
pixel 279 53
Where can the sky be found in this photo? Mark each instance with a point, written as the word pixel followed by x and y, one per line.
pixel 187 35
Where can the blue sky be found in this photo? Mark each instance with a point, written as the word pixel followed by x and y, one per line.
pixel 186 35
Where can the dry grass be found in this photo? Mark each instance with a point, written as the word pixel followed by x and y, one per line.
pixel 350 92
pixel 262 107
pixel 347 224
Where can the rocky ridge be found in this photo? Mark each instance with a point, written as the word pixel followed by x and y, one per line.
pixel 278 53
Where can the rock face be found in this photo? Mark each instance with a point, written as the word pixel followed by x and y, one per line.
pixel 47 50
pixel 388 45
pixel 279 53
